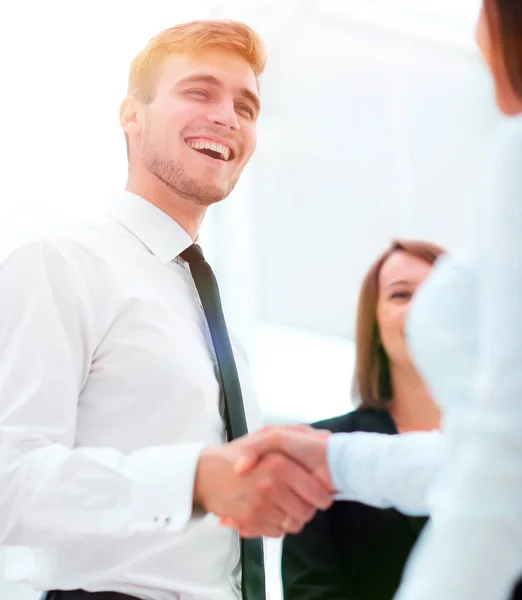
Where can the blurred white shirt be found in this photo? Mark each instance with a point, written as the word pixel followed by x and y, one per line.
pixel 386 471
pixel 108 392
pixel 466 336
pixel 465 330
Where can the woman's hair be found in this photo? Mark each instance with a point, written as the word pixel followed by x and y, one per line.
pixel 505 26
pixel 372 381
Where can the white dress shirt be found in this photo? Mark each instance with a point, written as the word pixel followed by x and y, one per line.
pixel 386 471
pixel 108 392
pixel 466 335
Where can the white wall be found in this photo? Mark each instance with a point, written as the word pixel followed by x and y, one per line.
pixel 375 136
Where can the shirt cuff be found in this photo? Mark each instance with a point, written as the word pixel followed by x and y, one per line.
pixel 338 461
pixel 163 487
pixel 354 460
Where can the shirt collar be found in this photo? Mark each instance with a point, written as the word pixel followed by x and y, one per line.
pixel 161 234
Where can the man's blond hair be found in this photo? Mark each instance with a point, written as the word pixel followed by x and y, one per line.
pixel 193 37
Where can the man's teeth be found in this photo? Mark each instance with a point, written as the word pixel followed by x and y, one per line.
pixel 208 145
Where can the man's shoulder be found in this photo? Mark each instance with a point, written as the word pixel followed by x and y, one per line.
pixel 66 240
pixel 361 419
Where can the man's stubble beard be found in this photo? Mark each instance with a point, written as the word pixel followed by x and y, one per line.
pixel 173 175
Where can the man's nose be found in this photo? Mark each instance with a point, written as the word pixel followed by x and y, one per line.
pixel 224 114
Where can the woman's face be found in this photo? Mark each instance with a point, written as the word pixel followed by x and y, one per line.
pixel 399 279
pixel 507 100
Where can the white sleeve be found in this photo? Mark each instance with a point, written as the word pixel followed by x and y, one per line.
pixel 473 547
pixel 50 490
pixel 386 470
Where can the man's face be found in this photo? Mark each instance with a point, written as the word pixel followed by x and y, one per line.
pixel 199 131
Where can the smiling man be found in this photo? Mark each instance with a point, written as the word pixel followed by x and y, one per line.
pixel 191 127
pixel 118 381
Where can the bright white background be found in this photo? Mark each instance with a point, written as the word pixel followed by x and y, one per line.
pixel 376 117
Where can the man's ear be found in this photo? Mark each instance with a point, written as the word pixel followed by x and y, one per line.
pixel 129 116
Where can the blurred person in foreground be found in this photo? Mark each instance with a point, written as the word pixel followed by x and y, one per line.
pixel 119 384
pixel 465 336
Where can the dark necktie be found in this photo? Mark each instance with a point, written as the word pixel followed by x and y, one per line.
pixel 252 563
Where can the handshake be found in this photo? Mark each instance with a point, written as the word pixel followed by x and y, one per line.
pixel 268 483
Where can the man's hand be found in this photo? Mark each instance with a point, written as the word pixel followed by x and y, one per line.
pixel 300 443
pixel 275 496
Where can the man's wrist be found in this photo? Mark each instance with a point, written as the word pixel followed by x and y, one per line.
pixel 203 469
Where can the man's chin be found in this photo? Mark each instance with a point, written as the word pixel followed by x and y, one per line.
pixel 200 191
pixel 201 188
pixel 208 193
pixel 206 196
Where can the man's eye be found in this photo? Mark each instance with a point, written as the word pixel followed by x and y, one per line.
pixel 198 93
pixel 246 110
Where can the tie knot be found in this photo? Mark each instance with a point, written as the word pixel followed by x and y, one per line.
pixel 192 254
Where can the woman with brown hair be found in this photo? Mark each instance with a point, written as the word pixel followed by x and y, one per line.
pixel 355 551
